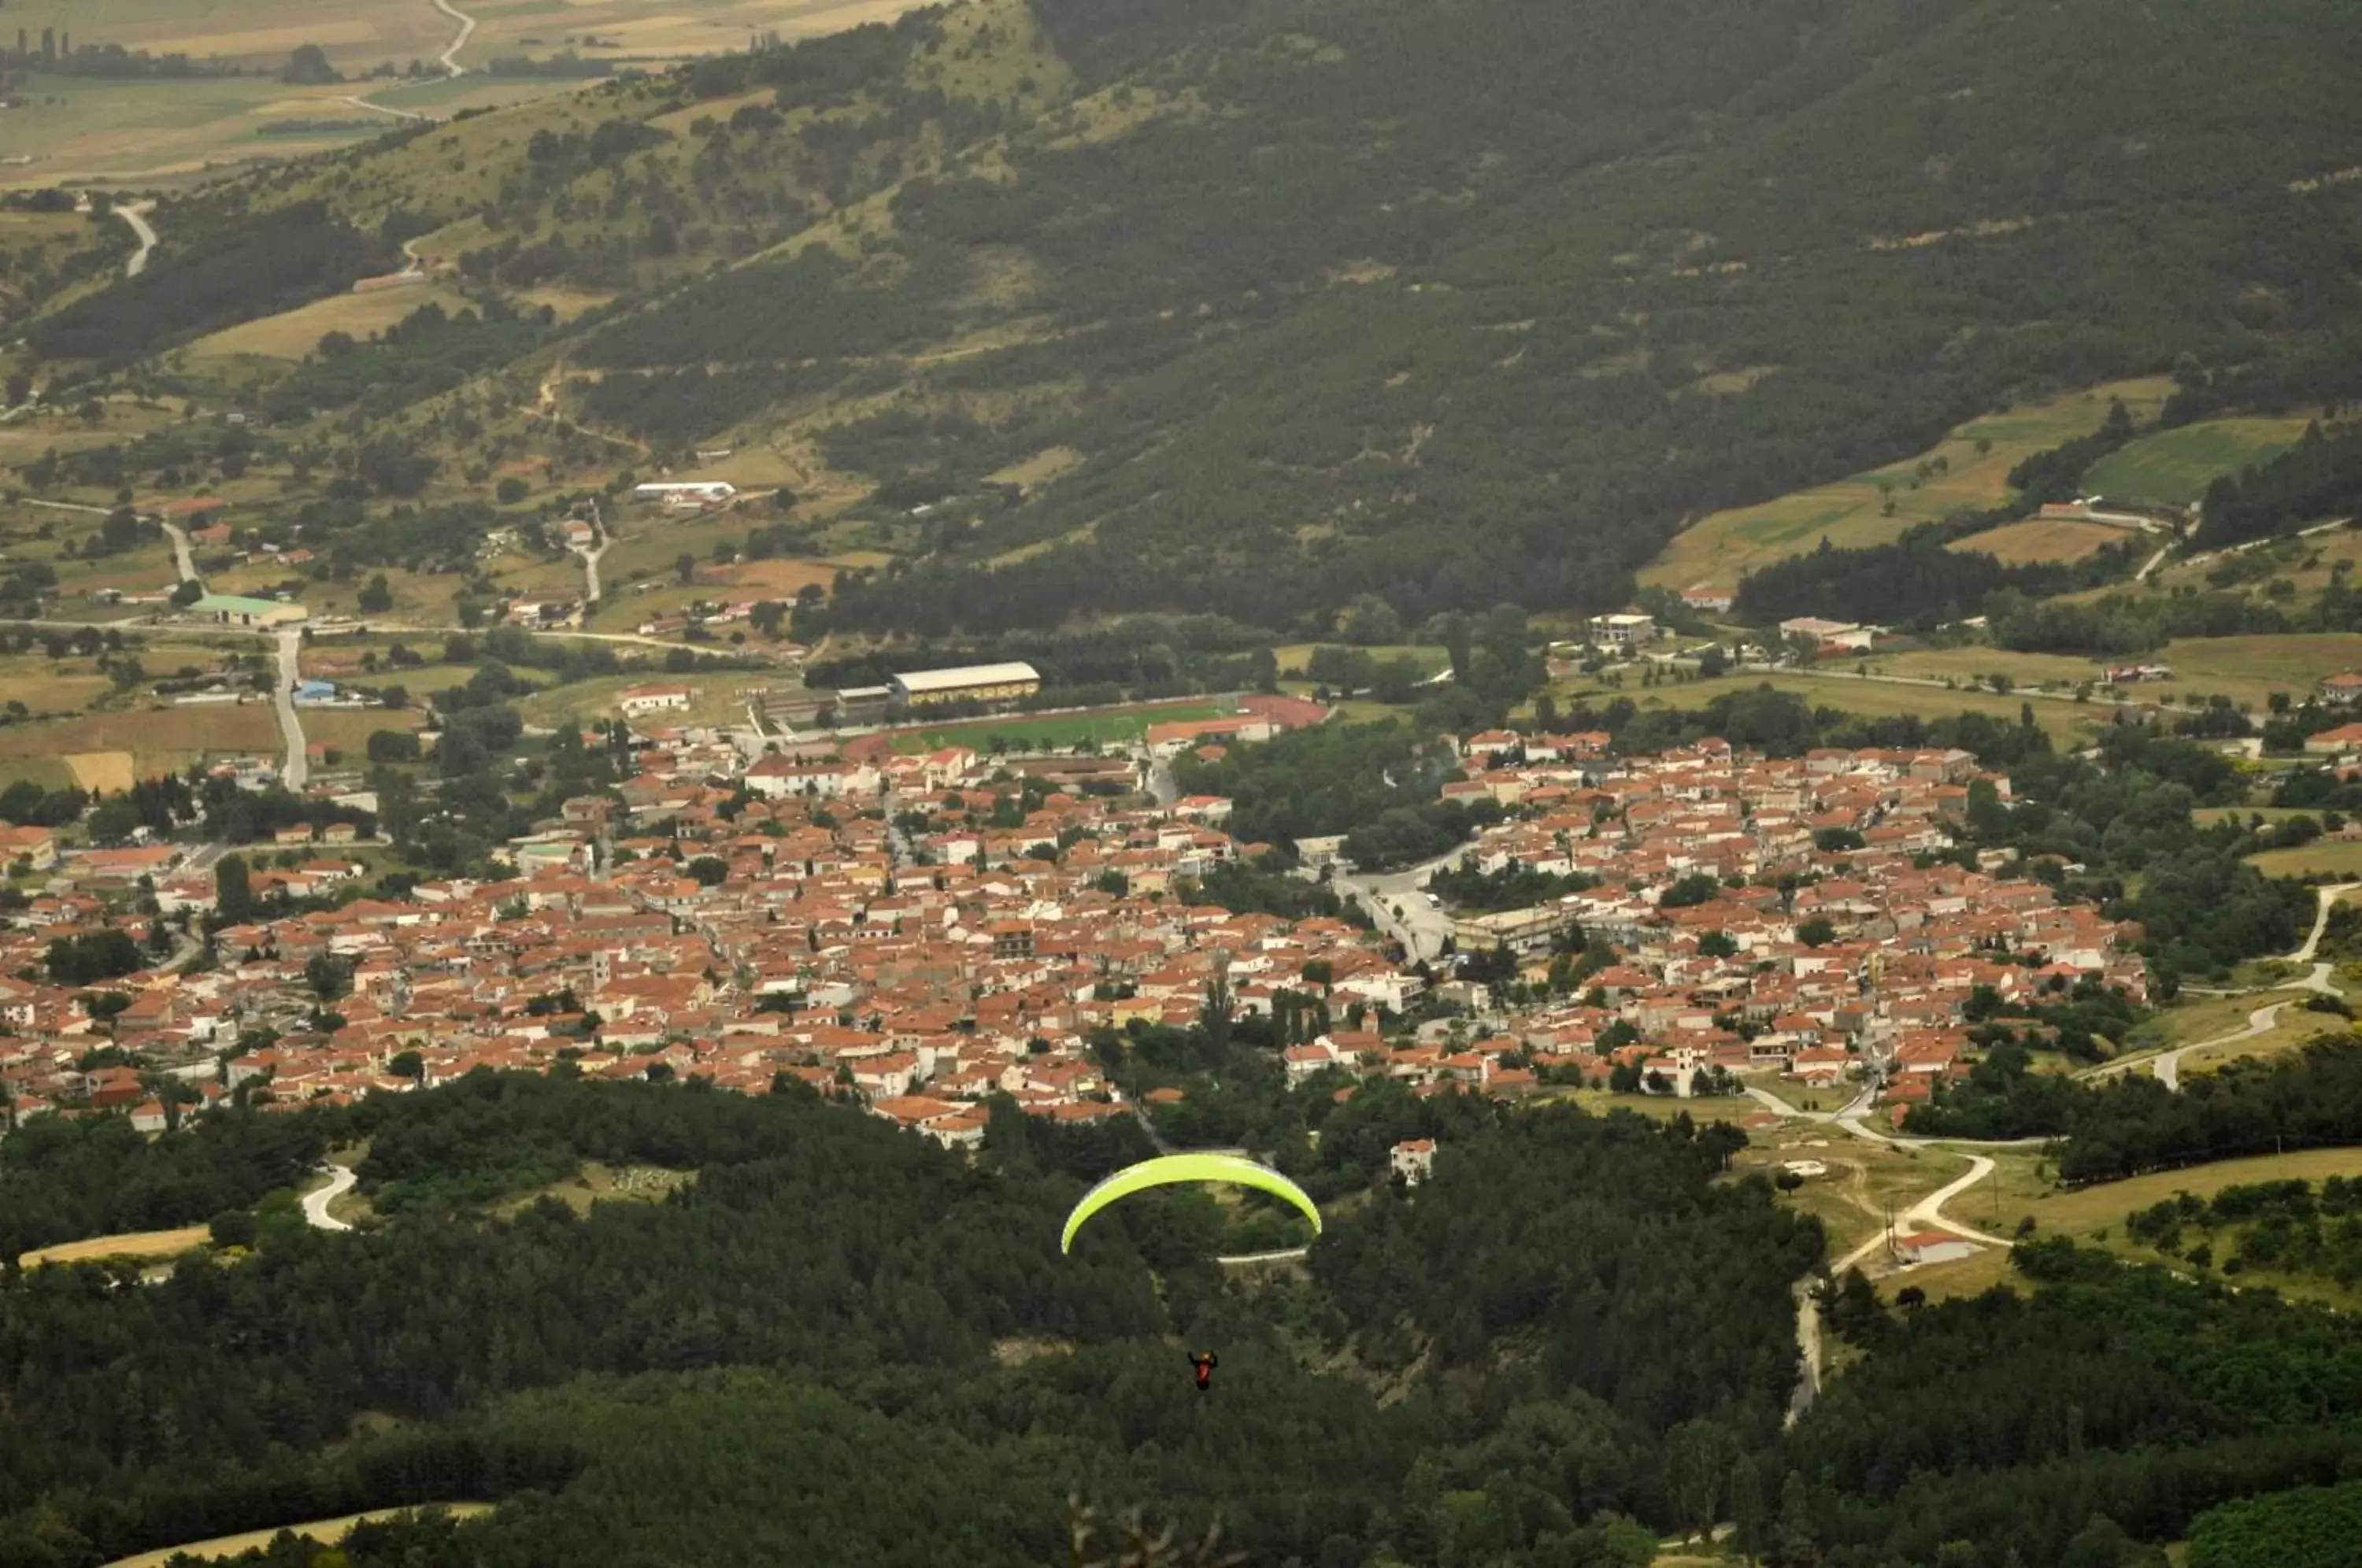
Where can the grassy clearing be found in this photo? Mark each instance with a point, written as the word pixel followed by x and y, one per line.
pixel 1430 658
pixel 293 335
pixel 348 730
pixel 2319 858
pixel 1659 1107
pixel 1101 726
pixel 2042 540
pixel 2020 1188
pixel 1723 547
pixel 1865 1182
pixel 1979 664
pixel 596 1183
pixel 2064 720
pixel 714 699
pixel 2249 669
pixel 325 1531
pixel 2176 466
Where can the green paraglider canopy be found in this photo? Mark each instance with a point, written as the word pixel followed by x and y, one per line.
pixel 1167 1169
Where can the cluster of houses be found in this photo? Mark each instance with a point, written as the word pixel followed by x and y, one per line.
pixel 921 932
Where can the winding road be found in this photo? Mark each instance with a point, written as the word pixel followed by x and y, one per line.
pixel 315 1204
pixel 136 215
pixel 467 26
pixel 2263 1020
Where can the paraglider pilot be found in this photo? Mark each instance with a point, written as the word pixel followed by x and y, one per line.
pixel 1204 1361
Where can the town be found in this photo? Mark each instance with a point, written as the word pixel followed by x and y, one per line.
pixel 919 932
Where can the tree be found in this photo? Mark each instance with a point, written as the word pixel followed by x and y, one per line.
pixel 1698 1454
pixel 307 66
pixel 511 491
pixel 329 976
pixel 188 592
pixel 407 1065
pixel 233 889
pixel 709 870
pixel 1816 932
pixel 232 1228
pixel 1798 1547
pixel 376 598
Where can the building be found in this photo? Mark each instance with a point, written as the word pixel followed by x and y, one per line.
pixel 1520 930
pixel 686 496
pixel 2331 743
pixel 1711 600
pixel 235 610
pixel 1414 1160
pixel 2344 686
pixel 967 683
pixel 641 700
pixel 1830 633
pixel 1623 630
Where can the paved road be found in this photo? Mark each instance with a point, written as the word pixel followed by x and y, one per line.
pixel 136 215
pixel 298 766
pixel 1419 928
pixel 467 26
pixel 181 559
pixel 315 1204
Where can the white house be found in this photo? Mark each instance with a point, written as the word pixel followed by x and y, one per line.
pixel 642 700
pixel 1414 1159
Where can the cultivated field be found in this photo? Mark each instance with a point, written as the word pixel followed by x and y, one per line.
pixel 2041 540
pixel 294 333
pixel 2176 466
pixel 357 34
pixel 80 128
pixel 1721 547
pixel 630 29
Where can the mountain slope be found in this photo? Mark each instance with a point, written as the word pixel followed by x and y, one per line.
pixel 1456 302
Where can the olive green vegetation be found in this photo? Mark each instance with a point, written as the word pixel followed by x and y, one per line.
pixel 1506 274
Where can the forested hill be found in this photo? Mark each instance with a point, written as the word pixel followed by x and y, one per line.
pixel 1273 302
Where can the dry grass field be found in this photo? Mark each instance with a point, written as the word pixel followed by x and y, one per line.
pixel 132 1244
pixel 294 333
pixel 325 1531
pixel 156 740
pixel 1719 548
pixel 2322 857
pixel 2043 540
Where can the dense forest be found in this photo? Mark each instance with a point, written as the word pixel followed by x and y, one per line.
pixel 838 1333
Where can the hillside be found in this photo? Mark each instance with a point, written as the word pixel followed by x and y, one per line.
pixel 1278 303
